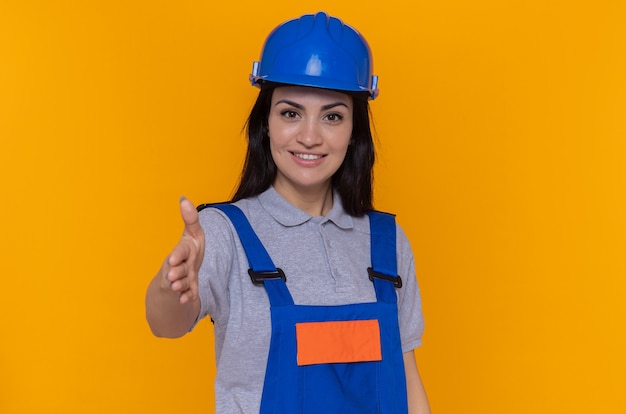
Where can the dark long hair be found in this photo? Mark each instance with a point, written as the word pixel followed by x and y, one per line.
pixel 354 178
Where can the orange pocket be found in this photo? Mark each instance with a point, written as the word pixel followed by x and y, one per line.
pixel 341 341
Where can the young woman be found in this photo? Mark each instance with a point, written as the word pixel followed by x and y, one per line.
pixel 312 294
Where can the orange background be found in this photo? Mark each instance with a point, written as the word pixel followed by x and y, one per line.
pixel 501 128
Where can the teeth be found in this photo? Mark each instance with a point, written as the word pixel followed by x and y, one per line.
pixel 308 157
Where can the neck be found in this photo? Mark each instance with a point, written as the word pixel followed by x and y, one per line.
pixel 314 202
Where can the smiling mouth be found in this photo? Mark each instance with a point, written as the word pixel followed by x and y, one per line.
pixel 307 157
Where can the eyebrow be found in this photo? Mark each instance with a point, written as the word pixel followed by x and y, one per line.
pixel 301 107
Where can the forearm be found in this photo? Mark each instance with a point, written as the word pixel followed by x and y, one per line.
pixel 418 401
pixel 166 316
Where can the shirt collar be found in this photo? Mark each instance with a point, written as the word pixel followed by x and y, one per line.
pixel 289 215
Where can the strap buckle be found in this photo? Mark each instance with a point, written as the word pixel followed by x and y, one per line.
pixel 259 277
pixel 396 280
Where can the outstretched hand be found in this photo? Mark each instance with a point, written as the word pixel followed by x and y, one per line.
pixel 182 265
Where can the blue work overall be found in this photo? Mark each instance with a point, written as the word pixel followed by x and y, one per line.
pixel 352 381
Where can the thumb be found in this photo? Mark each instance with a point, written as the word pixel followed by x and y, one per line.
pixel 190 218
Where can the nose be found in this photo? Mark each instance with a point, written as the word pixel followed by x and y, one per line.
pixel 310 135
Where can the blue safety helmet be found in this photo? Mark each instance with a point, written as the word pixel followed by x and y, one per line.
pixel 319 51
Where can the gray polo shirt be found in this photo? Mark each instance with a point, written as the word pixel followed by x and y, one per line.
pixel 325 260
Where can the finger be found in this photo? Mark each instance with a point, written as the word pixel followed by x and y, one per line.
pixel 178 272
pixel 189 282
pixel 165 270
pixel 187 288
pixel 186 297
pixel 180 285
pixel 190 218
pixel 189 295
pixel 181 252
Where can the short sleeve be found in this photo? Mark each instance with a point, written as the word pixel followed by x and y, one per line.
pixel 410 316
pixel 214 274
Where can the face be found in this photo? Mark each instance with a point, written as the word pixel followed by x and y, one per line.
pixel 309 131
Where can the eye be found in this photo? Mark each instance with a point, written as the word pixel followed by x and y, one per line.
pixel 288 113
pixel 333 117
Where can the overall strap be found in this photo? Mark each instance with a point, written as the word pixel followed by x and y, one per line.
pixel 384 270
pixel 262 270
